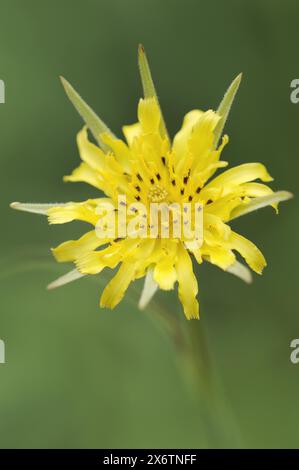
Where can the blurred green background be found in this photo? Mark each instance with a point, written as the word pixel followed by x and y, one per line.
pixel 78 376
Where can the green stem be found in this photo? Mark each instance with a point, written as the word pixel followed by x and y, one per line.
pixel 195 363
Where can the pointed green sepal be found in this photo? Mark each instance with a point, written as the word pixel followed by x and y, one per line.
pixel 65 279
pixel 260 202
pixel 241 271
pixel 35 208
pixel 93 122
pixel 225 105
pixel 149 289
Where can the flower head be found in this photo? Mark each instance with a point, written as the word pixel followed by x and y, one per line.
pixel 147 169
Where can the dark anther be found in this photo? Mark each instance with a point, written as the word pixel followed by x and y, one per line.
pixel 209 201
pixel 173 182
pixel 158 176
pixel 198 189
pixel 190 198
pixel 139 177
pixel 186 179
pixel 152 180
pixel 138 188
pixel 137 198
pixel 182 191
pixel 163 160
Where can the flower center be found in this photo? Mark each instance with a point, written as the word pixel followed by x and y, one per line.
pixel 157 193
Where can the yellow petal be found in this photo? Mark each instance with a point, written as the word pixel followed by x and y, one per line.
pixel 197 255
pixel 149 115
pixel 215 225
pixel 218 255
pixel 223 207
pixel 236 176
pixel 252 255
pixel 84 173
pixel 226 206
pixel 131 131
pixel 73 249
pixel 96 261
pixel 90 153
pixel 188 287
pixel 165 274
pixel 254 189
pixel 207 162
pixel 84 211
pixel 120 150
pixel 180 141
pixel 115 290
pixel 202 137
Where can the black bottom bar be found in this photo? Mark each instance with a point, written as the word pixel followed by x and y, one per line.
pixel 93 458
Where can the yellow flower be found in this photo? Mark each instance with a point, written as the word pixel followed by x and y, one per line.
pixel 150 168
